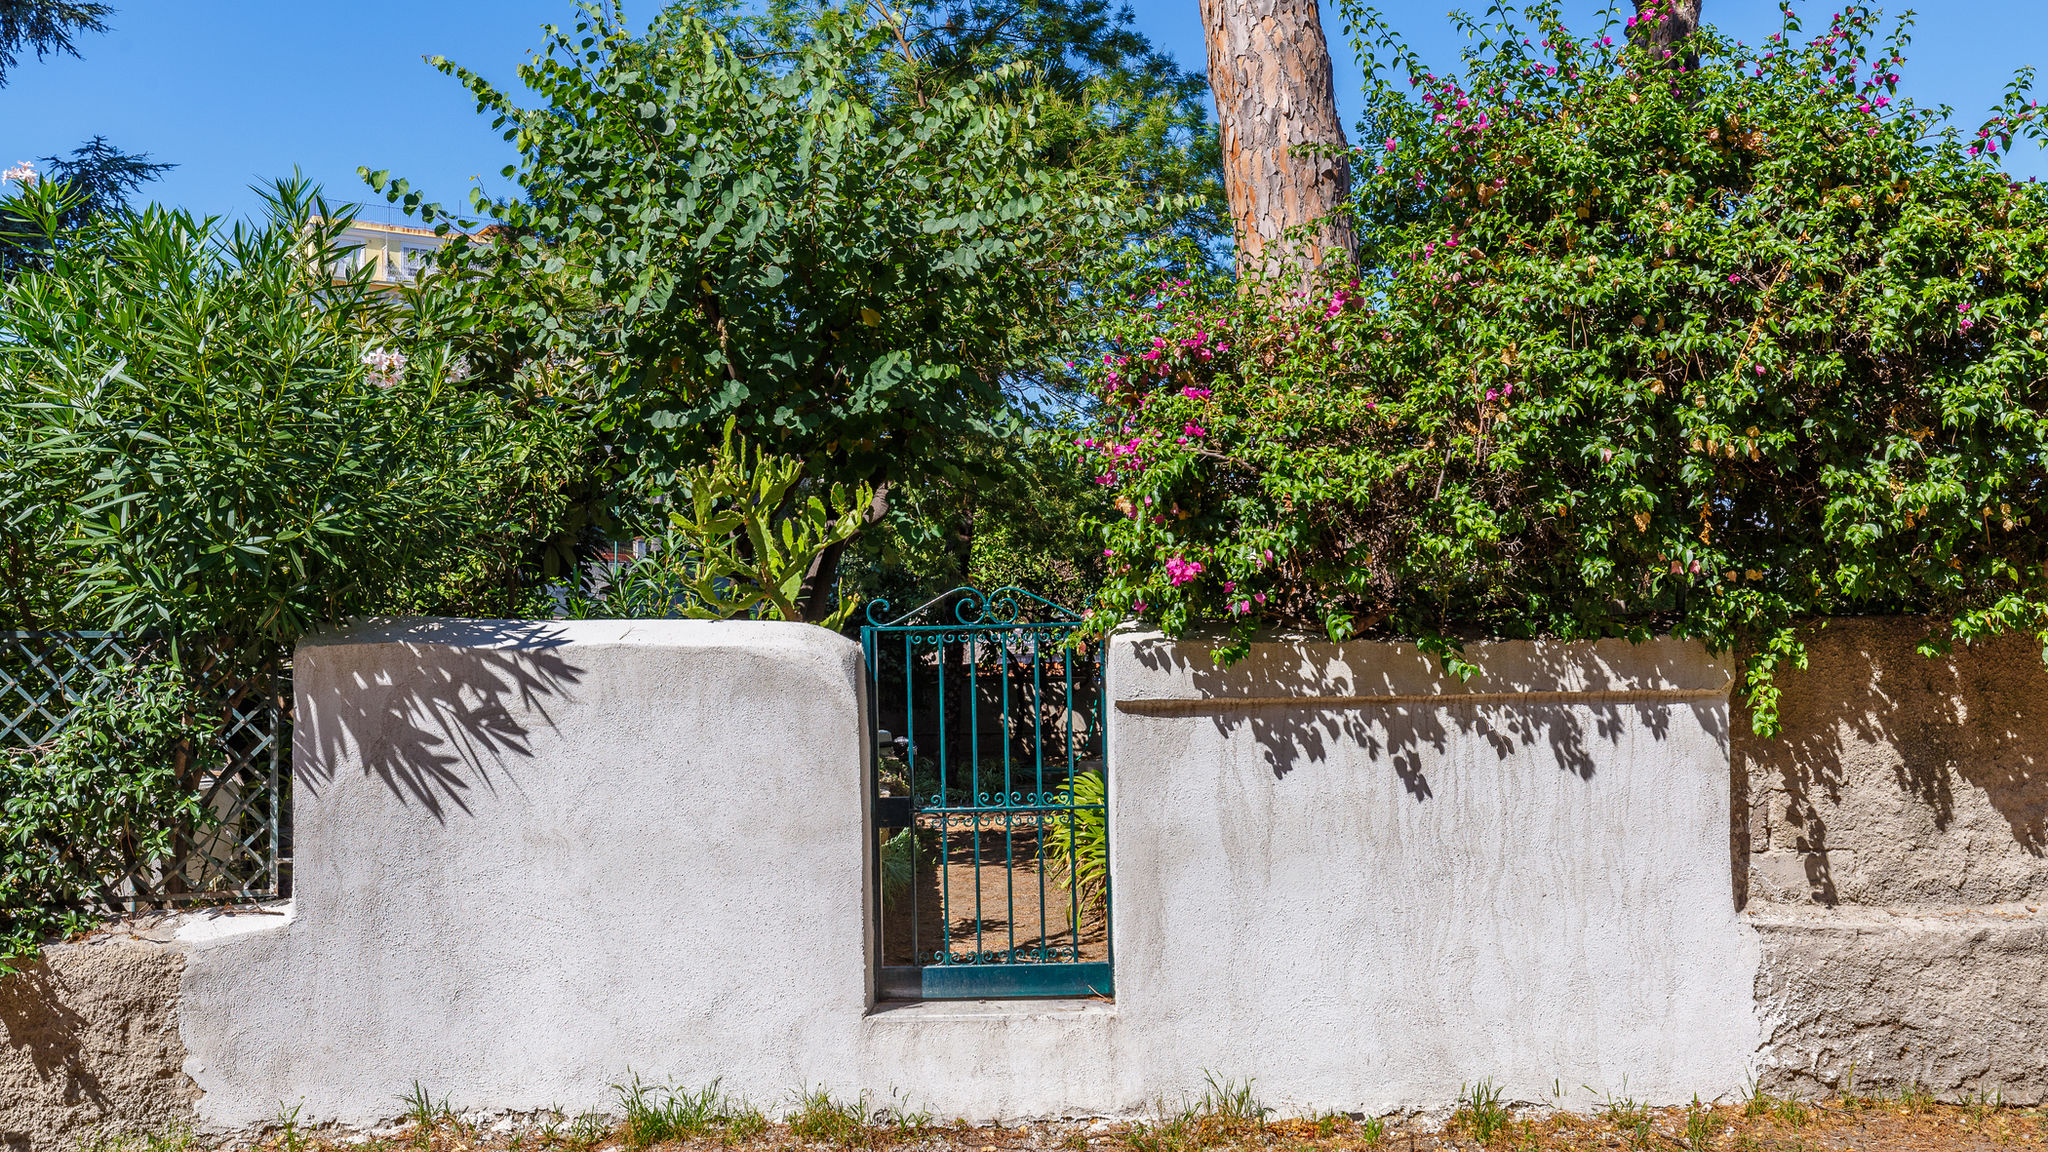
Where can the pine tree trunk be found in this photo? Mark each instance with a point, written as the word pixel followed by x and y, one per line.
pixel 1661 24
pixel 1269 67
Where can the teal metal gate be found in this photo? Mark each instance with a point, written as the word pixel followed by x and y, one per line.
pixel 991 799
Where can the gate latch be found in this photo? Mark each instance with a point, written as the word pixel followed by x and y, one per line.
pixel 893 811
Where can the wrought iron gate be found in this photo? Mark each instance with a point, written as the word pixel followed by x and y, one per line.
pixel 990 798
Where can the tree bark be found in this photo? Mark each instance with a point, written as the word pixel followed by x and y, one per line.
pixel 1660 25
pixel 1276 101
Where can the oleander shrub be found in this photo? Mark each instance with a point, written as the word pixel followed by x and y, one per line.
pixel 209 436
pixel 1631 347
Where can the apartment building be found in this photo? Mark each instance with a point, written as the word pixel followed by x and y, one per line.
pixel 396 253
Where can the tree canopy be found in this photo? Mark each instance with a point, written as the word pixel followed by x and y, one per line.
pixel 849 261
pixel 45 27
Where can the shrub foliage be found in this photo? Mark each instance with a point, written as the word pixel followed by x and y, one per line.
pixel 1632 348
pixel 102 817
pixel 848 262
pixel 207 435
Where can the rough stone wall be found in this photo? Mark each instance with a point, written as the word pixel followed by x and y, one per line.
pixel 92 1044
pixel 1951 1001
pixel 1889 846
pixel 1899 780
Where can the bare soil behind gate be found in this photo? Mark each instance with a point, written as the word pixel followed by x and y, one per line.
pixel 1025 906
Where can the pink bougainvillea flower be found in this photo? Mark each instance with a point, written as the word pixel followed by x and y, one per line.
pixel 1180 571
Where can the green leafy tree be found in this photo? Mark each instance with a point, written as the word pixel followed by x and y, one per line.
pixel 849 273
pixel 1109 99
pixel 1633 350
pixel 45 27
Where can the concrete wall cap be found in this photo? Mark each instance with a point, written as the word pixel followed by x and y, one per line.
pixel 1150 667
pixel 448 632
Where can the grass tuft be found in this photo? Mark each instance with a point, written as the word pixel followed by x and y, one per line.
pixel 656 1115
pixel 821 1119
pixel 1480 1114
pixel 1632 1119
pixel 1699 1126
pixel 1916 1099
pixel 1230 1100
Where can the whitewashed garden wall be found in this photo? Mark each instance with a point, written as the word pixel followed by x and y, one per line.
pixel 533 859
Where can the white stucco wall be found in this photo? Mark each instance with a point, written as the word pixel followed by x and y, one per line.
pixel 532 857
pixel 535 858
pixel 1365 883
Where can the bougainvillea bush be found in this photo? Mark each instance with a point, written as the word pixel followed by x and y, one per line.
pixel 1632 347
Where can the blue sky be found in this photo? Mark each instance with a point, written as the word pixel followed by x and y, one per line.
pixel 237 91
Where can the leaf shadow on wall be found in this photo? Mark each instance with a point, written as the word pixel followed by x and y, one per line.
pixel 444 702
pixel 35 1018
pixel 1426 714
pixel 1870 711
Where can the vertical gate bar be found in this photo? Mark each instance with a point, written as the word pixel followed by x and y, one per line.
pixel 974 770
pixel 1102 730
pixel 945 821
pixel 1009 816
pixel 910 775
pixel 1038 780
pixel 870 651
pixel 1073 857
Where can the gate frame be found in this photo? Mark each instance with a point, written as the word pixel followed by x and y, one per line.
pixel 979 617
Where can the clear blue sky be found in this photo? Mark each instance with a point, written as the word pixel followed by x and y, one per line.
pixel 236 91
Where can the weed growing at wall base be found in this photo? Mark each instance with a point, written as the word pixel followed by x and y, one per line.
pixel 823 1119
pixel 663 1115
pixel 1225 1117
pixel 1480 1113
